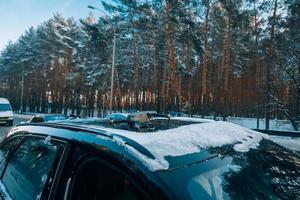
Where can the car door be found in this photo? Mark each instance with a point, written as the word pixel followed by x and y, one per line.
pixel 28 167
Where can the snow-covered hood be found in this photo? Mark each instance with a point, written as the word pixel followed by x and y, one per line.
pixel 6 114
pixel 187 140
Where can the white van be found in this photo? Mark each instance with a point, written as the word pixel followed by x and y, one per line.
pixel 6 114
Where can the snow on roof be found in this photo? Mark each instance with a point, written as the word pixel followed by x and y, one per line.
pixel 188 139
pixel 3 100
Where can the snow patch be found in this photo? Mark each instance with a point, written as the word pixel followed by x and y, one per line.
pixel 43 181
pixel 287 142
pixel 4 193
pixel 47 140
pixel 26 117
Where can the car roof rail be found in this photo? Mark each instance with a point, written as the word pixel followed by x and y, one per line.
pixel 72 127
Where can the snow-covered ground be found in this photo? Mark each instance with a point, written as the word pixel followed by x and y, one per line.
pixel 279 125
pixel 287 142
pixel 27 117
pixel 282 125
pixel 275 124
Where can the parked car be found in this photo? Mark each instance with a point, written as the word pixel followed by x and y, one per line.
pixel 118 116
pixel 213 160
pixel 6 114
pixel 175 114
pixel 40 118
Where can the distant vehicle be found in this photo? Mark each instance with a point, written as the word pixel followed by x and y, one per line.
pixel 142 117
pixel 72 116
pixel 6 114
pixel 133 121
pixel 175 114
pixel 146 121
pixel 210 160
pixel 40 118
pixel 118 116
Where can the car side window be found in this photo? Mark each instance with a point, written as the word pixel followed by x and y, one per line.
pixel 7 148
pixel 97 179
pixel 30 168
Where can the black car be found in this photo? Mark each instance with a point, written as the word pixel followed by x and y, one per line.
pixel 67 161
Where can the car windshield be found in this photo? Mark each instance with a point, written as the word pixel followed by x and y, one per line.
pixel 117 116
pixel 55 117
pixel 269 172
pixel 5 107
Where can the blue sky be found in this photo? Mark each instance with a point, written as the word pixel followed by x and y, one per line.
pixel 18 15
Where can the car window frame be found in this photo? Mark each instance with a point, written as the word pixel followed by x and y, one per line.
pixel 57 167
pixel 80 152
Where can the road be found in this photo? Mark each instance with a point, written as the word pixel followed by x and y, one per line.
pixel 4 128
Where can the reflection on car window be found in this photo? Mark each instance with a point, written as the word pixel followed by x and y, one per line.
pixel 29 166
pixel 268 172
pixel 209 184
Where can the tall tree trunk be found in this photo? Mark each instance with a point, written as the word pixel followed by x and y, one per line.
pixel 136 72
pixel 204 97
pixel 153 87
pixel 226 66
pixel 175 92
pixel 257 68
pixel 270 65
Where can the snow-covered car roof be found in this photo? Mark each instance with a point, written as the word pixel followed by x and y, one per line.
pixel 186 140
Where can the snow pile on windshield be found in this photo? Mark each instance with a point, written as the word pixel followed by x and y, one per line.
pixel 189 139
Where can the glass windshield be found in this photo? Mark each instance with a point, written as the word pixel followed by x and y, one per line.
pixel 5 107
pixel 269 172
pixel 55 117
